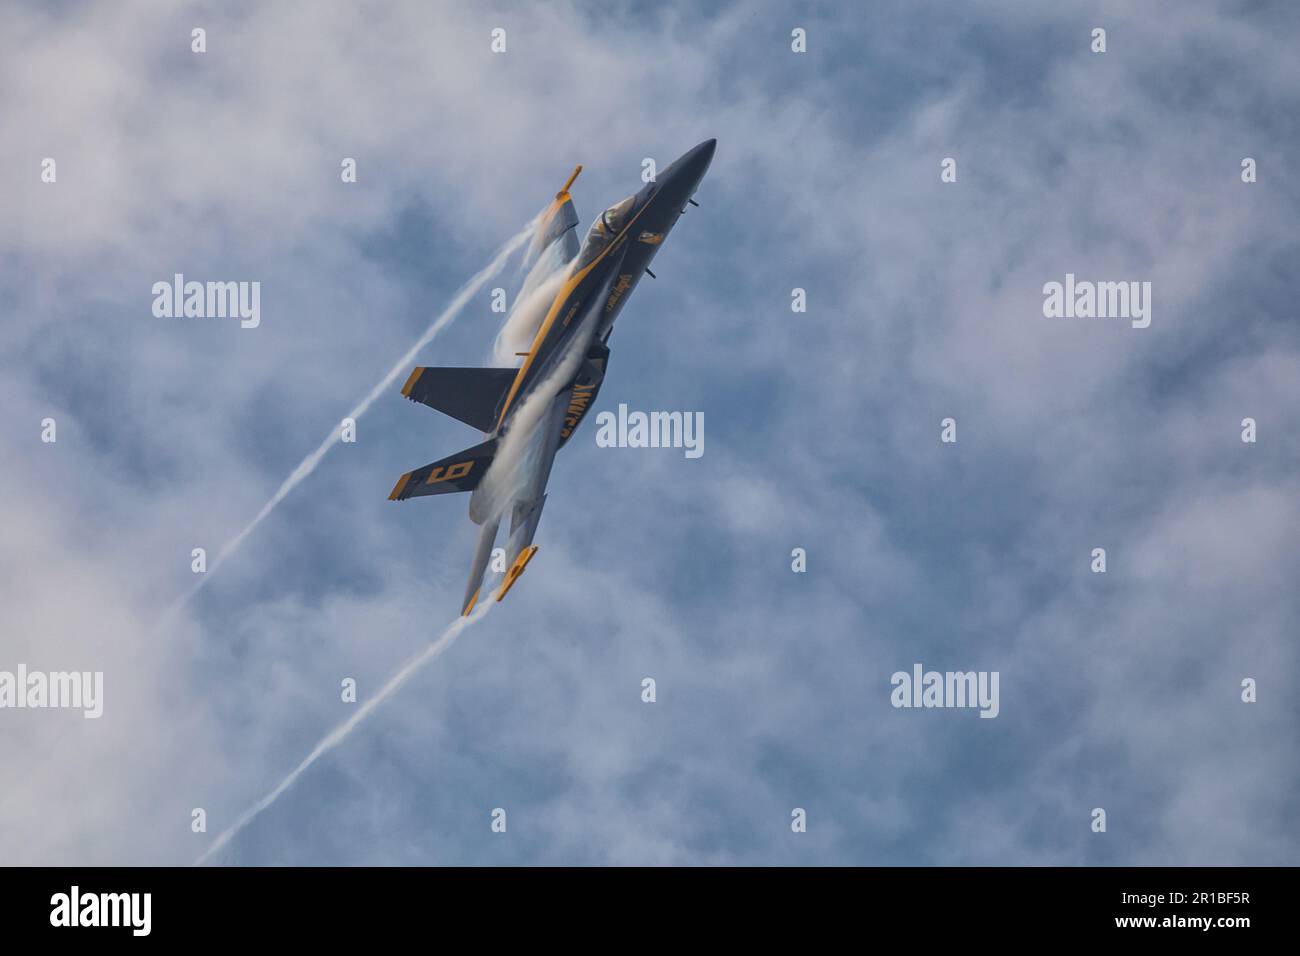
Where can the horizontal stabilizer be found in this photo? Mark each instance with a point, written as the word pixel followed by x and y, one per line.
pixel 471 395
pixel 459 472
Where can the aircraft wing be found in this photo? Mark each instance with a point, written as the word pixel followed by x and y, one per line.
pixel 526 511
pixel 482 555
pixel 557 235
pixel 551 432
pixel 528 494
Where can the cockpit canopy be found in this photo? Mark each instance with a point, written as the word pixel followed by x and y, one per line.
pixel 607 225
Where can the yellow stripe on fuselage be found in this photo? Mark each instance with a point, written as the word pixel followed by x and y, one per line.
pixel 560 298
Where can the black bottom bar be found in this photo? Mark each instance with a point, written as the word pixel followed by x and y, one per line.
pixel 217 905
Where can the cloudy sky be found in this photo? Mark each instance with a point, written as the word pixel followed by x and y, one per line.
pixel 1119 691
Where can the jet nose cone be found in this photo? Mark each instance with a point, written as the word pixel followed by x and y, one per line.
pixel 697 159
pixel 689 168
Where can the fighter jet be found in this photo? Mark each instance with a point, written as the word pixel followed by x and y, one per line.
pixel 549 395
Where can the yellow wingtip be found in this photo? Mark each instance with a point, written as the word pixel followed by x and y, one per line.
pixel 410 382
pixel 516 570
pixel 397 488
pixel 564 190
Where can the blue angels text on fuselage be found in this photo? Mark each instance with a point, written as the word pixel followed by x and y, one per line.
pixel 561 373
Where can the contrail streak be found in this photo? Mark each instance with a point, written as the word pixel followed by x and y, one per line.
pixel 506 476
pixel 308 464
pixel 403 365
pixel 341 732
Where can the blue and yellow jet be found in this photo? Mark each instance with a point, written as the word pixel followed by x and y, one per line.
pixel 562 371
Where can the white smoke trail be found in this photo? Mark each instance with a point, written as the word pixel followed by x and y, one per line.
pixel 521 325
pixel 402 366
pixel 506 476
pixel 341 732
pixel 308 464
pixel 546 270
